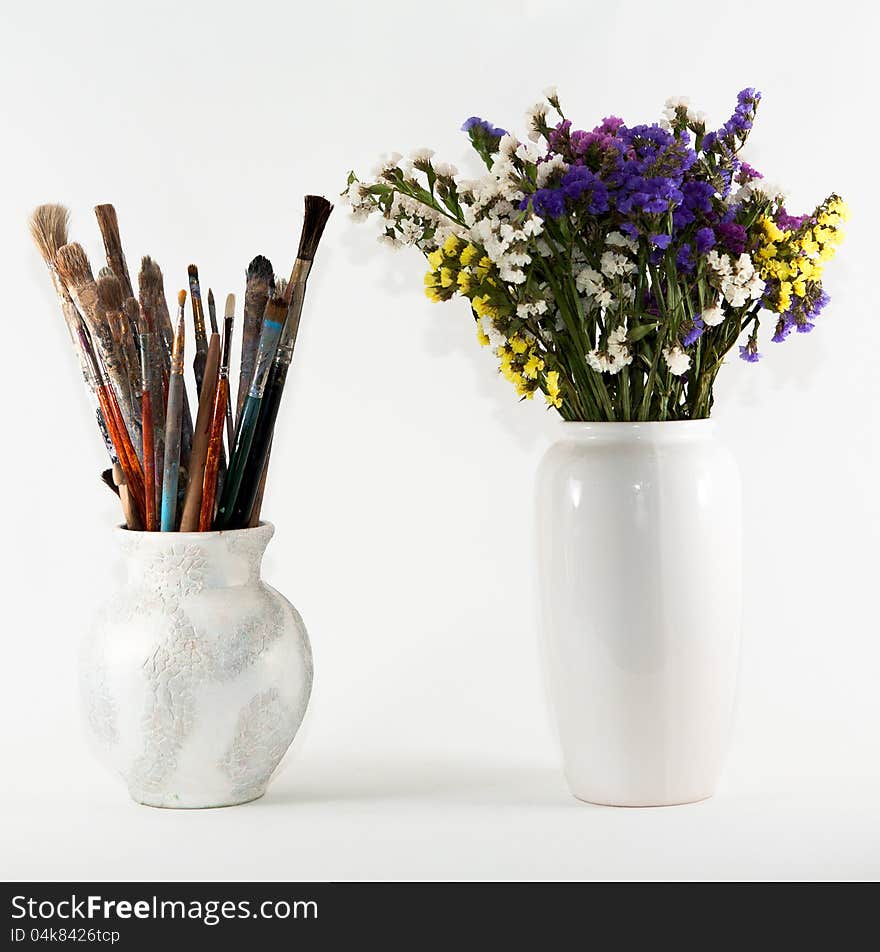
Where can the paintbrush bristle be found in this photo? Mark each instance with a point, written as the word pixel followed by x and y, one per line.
pixel 280 286
pixel 230 306
pixel 150 279
pixel 73 265
pixel 48 227
pixel 260 269
pixel 181 297
pixel 193 271
pixel 210 297
pixel 317 211
pixel 110 290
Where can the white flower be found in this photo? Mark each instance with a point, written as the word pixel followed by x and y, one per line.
pixel 495 339
pixel 389 241
pixel 674 103
pixel 386 163
pixel 507 145
pixel 537 114
pixel 421 155
pixel 616 239
pixel 528 152
pixel 713 315
pixel 720 264
pixel 760 188
pixel 589 282
pixel 613 264
pixel 410 232
pixel 546 169
pixel 532 226
pixel 677 360
pixel 445 169
pixel 551 94
pixel 615 357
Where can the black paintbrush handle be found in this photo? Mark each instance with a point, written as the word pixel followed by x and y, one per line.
pixel 259 452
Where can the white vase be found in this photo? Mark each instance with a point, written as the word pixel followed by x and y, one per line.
pixel 196 675
pixel 639 555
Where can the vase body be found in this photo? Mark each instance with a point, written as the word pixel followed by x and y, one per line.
pixel 195 675
pixel 639 553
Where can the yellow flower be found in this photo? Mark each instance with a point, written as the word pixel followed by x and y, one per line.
pixel 468 254
pixel 447 279
pixel 532 366
pixel 435 259
pixel 553 395
pixel 451 246
pixel 482 336
pixel 518 344
pixel 465 282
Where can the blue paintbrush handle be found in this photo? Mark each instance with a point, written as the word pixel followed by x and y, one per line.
pixel 171 470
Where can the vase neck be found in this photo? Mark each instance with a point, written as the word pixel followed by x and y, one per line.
pixel 195 560
pixel 655 432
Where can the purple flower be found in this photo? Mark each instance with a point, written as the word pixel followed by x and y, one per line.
pixel 783 329
pixel 804 327
pixel 747 173
pixel 684 259
pixel 749 352
pixel 630 230
pixel 705 240
pixel 476 126
pixel 579 184
pixel 790 222
pixel 661 241
pixel 546 202
pixel 696 331
pixel 732 236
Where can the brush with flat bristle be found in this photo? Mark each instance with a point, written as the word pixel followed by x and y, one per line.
pixel 152 418
pixel 201 336
pixel 258 288
pixel 215 437
pixel 48 228
pixel 317 211
pixel 109 225
pixel 212 312
pixel 76 273
pixel 152 291
pixel 110 296
pixel 273 321
pixel 173 420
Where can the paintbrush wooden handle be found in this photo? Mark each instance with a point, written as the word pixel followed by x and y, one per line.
pixel 192 503
pixel 132 519
pixel 115 425
pixel 244 436
pixel 149 454
pixel 171 467
pixel 212 463
pixel 259 449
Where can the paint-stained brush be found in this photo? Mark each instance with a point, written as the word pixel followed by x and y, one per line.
pixel 317 211
pixel 201 337
pixel 109 225
pixel 110 296
pixel 273 321
pixel 76 273
pixel 212 313
pixel 48 228
pixel 173 420
pixel 215 440
pixel 228 323
pixel 129 510
pixel 192 502
pixel 257 291
pixel 151 385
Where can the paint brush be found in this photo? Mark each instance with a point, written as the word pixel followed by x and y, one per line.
pixel 173 422
pixel 129 510
pixel 103 389
pixel 110 297
pixel 317 211
pixel 273 321
pixel 76 273
pixel 215 438
pixel 109 225
pixel 107 480
pixel 201 337
pixel 212 312
pixel 257 290
pixel 48 228
pixel 228 323
pixel 192 502
pixel 150 385
pixel 152 291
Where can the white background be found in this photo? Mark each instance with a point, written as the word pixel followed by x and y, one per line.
pixel 402 477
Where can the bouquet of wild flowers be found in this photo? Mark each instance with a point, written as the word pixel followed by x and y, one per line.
pixel 612 270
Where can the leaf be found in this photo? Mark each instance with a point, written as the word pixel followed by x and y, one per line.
pixel 641 330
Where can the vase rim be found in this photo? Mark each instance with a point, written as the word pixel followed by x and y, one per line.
pixel 171 537
pixel 648 430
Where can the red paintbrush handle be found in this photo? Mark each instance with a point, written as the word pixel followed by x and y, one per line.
pixel 212 462
pixel 149 453
pixel 119 437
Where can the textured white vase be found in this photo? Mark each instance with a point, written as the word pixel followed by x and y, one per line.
pixel 639 555
pixel 196 675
